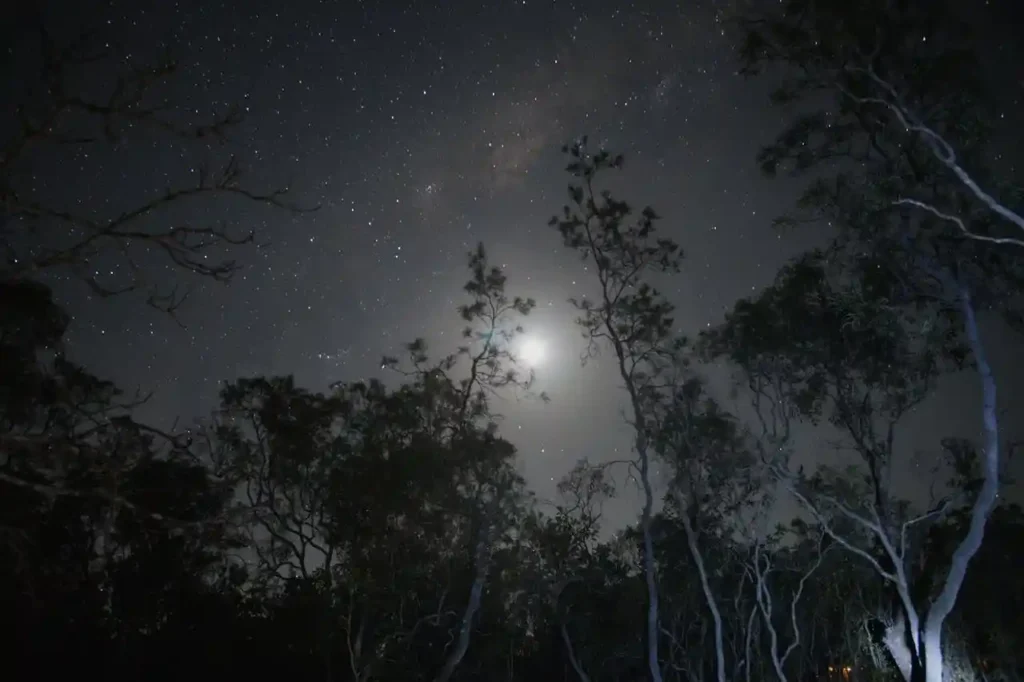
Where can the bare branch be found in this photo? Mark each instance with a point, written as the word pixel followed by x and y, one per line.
pixel 941 150
pixel 37 236
pixel 959 223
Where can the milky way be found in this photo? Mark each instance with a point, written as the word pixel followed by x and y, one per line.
pixel 421 129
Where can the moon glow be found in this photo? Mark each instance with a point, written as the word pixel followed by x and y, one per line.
pixel 533 351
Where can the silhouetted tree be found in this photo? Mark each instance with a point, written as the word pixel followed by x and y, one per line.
pixel 89 98
pixel 630 316
pixel 86 99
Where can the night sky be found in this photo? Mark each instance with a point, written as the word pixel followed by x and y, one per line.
pixel 421 129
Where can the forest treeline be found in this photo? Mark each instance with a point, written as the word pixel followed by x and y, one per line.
pixel 379 530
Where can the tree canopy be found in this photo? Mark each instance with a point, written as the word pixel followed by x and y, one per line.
pixel 382 529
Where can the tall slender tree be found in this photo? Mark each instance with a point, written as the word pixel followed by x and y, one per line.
pixel 630 317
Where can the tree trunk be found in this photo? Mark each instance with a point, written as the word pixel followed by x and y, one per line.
pixel 472 606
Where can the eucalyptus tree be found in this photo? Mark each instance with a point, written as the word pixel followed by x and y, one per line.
pixel 488 494
pixel 630 317
pixel 389 504
pixel 895 131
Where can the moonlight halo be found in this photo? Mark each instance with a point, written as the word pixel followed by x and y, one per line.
pixel 533 351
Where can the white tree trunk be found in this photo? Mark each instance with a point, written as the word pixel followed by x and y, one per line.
pixel 709 596
pixel 472 606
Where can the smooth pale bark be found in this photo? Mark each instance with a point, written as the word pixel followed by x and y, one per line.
pixel 709 596
pixel 763 598
pixel 572 655
pixel 915 644
pixel 943 604
pixel 472 606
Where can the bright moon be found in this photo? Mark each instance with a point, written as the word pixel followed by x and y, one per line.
pixel 532 351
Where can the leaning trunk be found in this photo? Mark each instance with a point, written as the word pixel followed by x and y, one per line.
pixel 650 572
pixel 929 664
pixel 709 596
pixel 472 606
pixel 901 641
pixel 942 606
